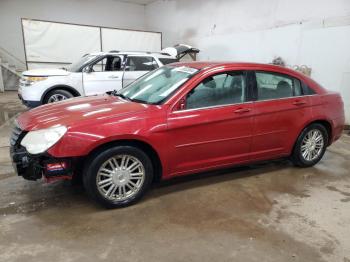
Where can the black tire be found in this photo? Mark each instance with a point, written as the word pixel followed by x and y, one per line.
pixel 95 162
pixel 297 157
pixel 57 92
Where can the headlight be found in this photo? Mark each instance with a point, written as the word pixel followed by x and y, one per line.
pixel 39 141
pixel 29 80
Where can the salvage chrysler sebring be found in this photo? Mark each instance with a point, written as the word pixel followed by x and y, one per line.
pixel 180 119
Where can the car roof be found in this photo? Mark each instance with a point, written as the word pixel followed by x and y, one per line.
pixel 155 54
pixel 212 64
pixel 207 65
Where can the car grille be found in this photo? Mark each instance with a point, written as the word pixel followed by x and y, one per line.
pixel 16 135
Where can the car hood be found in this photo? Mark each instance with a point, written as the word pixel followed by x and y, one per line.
pixel 77 111
pixel 46 72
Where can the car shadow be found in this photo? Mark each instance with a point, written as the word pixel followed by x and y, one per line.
pixel 62 195
pixel 196 180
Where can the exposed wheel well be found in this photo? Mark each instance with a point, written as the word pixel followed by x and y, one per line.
pixel 325 123
pixel 73 91
pixel 328 127
pixel 148 149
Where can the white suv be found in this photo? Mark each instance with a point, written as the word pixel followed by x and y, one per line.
pixel 93 74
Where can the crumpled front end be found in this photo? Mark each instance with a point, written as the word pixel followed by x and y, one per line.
pixel 34 167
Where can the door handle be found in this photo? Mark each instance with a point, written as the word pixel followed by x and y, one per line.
pixel 242 110
pixel 299 103
pixel 114 77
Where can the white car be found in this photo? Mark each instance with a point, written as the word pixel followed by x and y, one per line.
pixel 94 73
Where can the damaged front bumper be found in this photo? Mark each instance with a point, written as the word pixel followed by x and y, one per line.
pixel 34 167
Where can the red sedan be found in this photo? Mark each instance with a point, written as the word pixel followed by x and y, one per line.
pixel 180 119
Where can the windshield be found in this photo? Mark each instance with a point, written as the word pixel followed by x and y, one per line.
pixel 75 67
pixel 158 85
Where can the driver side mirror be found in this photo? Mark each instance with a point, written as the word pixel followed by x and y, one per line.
pixel 87 69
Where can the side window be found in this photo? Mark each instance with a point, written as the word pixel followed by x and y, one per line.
pixel 307 90
pixel 99 66
pixel 107 64
pixel 114 63
pixel 140 63
pixel 221 89
pixel 275 86
pixel 297 88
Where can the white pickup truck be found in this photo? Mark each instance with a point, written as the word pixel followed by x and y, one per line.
pixel 94 73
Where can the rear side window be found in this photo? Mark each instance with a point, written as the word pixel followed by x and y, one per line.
pixel 166 61
pixel 307 90
pixel 141 63
pixel 275 86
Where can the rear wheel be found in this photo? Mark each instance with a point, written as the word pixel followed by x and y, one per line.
pixel 57 95
pixel 118 177
pixel 310 146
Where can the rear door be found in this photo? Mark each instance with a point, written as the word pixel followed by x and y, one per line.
pixel 280 112
pixel 105 75
pixel 136 66
pixel 214 127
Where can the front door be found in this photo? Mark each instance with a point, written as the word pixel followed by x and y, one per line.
pixel 137 66
pixel 104 76
pixel 280 112
pixel 215 126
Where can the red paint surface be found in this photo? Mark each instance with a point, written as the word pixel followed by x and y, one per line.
pixel 194 140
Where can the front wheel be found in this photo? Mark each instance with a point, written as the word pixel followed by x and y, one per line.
pixel 57 95
pixel 118 176
pixel 310 146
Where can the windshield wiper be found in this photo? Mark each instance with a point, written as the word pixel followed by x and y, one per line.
pixel 115 93
pixel 141 101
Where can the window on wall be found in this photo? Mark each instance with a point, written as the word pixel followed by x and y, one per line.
pixel 221 89
pixel 274 86
pixel 140 63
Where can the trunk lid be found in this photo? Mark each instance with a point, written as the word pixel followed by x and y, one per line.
pixel 180 50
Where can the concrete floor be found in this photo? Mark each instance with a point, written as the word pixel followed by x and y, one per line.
pixel 265 212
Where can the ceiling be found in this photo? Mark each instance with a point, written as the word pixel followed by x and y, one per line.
pixel 140 2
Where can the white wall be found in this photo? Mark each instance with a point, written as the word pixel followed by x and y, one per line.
pixel 315 33
pixel 108 13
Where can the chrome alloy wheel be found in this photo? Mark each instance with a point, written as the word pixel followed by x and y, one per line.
pixel 312 145
pixel 120 177
pixel 56 98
